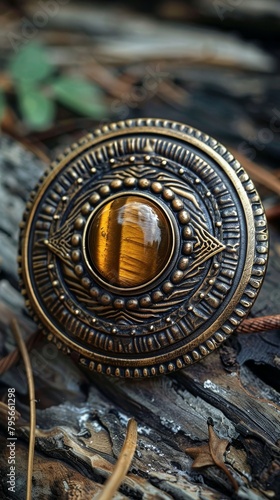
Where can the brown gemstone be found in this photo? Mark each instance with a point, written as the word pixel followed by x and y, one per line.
pixel 129 241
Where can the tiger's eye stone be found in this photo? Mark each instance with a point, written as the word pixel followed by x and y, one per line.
pixel 129 241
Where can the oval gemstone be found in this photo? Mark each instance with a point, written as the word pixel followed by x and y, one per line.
pixel 129 241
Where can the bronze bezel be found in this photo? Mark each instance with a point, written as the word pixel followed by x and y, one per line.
pixel 175 241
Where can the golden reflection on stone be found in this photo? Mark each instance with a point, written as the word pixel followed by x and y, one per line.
pixel 129 241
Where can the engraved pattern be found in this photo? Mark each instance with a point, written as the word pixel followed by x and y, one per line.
pixel 204 246
pixel 180 317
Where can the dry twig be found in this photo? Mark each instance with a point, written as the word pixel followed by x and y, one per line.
pixel 29 374
pixel 4 409
pixel 123 463
pixel 261 324
pixel 273 213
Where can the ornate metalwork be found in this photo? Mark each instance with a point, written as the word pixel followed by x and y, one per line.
pixel 192 301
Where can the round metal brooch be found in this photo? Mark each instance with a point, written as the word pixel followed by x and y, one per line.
pixel 143 248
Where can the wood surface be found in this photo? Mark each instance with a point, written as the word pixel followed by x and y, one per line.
pixel 82 417
pixel 227 86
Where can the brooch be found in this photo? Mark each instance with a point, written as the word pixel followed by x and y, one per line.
pixel 142 248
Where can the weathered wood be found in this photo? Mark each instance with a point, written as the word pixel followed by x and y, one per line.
pixel 66 482
pixel 82 416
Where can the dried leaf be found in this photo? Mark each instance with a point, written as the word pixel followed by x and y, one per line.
pixel 217 446
pixel 211 454
pixel 202 456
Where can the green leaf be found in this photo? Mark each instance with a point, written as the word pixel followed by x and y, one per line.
pixel 38 111
pixel 80 95
pixel 3 104
pixel 30 64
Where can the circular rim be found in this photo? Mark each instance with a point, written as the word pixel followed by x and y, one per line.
pixel 248 286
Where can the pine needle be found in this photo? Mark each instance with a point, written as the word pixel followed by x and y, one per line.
pixel 30 380
pixel 123 463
